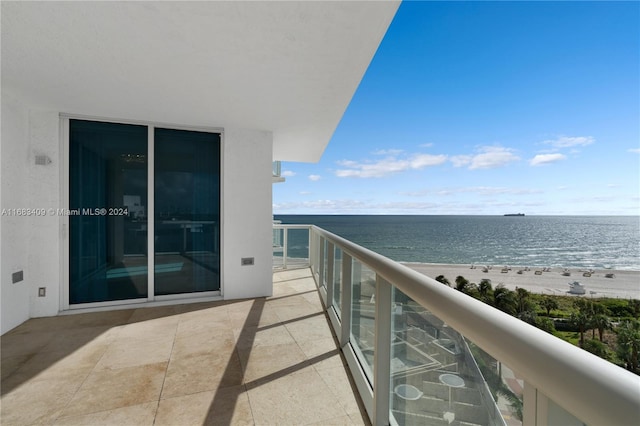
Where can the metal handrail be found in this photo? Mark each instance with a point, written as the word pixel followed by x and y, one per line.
pixel 592 389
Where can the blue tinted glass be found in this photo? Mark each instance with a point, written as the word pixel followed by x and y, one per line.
pixel 108 202
pixel 187 211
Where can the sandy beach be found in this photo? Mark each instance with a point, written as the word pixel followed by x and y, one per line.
pixel 624 284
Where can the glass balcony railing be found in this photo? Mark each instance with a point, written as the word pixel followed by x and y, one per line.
pixel 423 353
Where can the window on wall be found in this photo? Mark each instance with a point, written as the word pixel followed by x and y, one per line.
pixel 111 247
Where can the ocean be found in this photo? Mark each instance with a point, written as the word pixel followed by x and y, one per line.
pixel 596 242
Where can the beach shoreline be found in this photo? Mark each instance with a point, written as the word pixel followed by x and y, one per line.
pixel 624 284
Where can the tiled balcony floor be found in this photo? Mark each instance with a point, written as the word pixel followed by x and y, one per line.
pixel 259 361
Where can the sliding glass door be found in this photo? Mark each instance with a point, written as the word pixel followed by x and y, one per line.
pixel 187 213
pixel 107 248
pixel 110 245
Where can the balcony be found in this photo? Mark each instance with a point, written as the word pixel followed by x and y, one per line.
pixel 348 337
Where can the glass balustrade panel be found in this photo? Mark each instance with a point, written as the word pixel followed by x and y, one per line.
pixel 297 248
pixel 337 279
pixel 437 376
pixel 363 308
pixel 278 248
pixel 325 263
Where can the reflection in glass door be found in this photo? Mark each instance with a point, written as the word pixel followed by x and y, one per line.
pixel 108 205
pixel 187 211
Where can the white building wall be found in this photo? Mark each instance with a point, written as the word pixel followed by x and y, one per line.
pixel 44 256
pixel 14 230
pixel 247 213
pixel 33 244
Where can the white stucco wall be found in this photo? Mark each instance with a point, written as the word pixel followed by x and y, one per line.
pixel 32 244
pixel 247 213
pixel 44 257
pixel 14 230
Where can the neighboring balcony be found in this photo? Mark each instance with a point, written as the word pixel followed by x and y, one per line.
pixel 276 172
pixel 423 353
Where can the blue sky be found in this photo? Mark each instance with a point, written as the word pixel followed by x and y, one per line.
pixel 487 108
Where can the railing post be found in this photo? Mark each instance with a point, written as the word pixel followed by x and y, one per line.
pixel 320 262
pixel 330 273
pixel 529 405
pixel 345 307
pixel 382 354
pixel 285 250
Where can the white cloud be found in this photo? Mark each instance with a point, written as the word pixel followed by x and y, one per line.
pixel 488 157
pixel 461 160
pixel 388 152
pixel 635 150
pixel 569 141
pixel 288 173
pixel 479 190
pixel 304 192
pixel 542 159
pixel 388 166
pixel 421 161
pixel 315 178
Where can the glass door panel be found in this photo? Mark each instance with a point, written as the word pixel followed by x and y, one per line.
pixel 187 211
pixel 108 202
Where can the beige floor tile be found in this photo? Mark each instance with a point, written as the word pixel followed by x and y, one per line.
pixel 16 344
pixel 158 312
pixel 190 325
pixel 338 382
pixel 149 329
pixel 296 398
pixel 132 352
pixel 291 274
pixel 52 365
pixel 201 373
pixel 299 308
pixel 138 415
pixel 96 319
pixel 336 421
pixel 309 328
pixel 110 389
pixel 271 361
pixel 38 401
pixel 248 337
pixel 259 317
pixel 69 340
pixel 322 353
pixel 11 364
pixel 360 419
pixel 215 342
pixel 222 407
pixel 198 306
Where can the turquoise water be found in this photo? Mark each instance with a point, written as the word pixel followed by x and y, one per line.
pixel 555 241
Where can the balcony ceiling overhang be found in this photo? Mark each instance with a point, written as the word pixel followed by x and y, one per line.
pixel 290 68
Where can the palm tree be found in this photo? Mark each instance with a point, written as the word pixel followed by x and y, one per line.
pixel 443 280
pixel 522 299
pixel 461 283
pixel 548 304
pixel 634 304
pixel 601 322
pixel 629 344
pixel 581 320
pixel 484 288
pixel 504 299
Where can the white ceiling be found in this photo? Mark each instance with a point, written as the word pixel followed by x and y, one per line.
pixel 286 67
